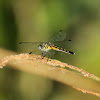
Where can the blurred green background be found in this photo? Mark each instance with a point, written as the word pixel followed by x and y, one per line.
pixel 38 20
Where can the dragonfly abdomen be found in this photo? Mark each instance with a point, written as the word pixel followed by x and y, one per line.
pixel 62 50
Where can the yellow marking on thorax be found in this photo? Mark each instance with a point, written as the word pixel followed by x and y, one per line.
pixel 49 47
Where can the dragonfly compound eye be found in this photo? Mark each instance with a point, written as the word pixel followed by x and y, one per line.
pixel 40 47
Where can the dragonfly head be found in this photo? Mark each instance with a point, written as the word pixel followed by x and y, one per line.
pixel 40 47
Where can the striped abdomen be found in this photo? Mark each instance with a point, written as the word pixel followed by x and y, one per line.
pixel 62 50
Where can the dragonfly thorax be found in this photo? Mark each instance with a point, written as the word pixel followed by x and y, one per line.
pixel 45 46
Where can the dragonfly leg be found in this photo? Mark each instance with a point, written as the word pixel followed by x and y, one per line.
pixel 44 54
pixel 49 55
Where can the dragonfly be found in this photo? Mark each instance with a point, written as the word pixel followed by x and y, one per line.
pixel 45 47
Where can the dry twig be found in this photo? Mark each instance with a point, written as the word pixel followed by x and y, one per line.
pixel 35 64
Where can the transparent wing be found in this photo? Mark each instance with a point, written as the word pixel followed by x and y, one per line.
pixel 28 47
pixel 59 37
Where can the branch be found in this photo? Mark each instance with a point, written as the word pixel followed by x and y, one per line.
pixel 49 68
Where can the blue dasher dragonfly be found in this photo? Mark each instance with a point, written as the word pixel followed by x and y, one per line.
pixel 45 47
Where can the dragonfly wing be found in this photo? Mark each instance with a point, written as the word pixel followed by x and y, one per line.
pixel 58 37
pixel 28 47
pixel 21 43
pixel 61 39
